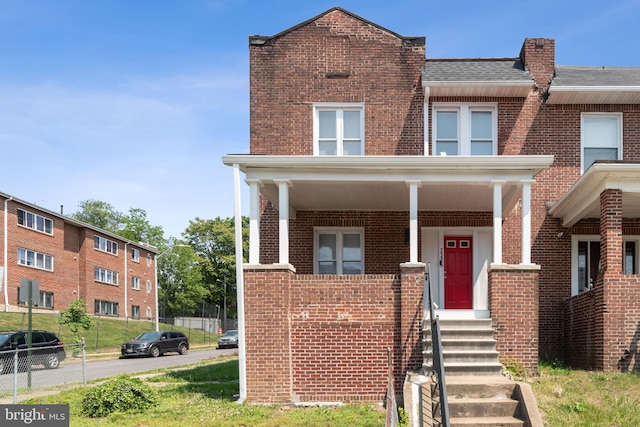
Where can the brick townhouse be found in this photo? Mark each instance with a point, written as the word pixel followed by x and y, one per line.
pixel 511 183
pixel 72 260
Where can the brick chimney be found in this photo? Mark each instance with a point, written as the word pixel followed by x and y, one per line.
pixel 538 56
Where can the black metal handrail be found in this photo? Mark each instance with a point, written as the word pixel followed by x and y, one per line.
pixel 438 363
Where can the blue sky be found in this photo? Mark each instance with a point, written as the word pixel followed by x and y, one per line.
pixel 135 102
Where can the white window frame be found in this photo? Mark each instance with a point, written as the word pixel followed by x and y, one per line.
pixel 107 308
pixel 148 260
pixel 576 238
pixel 46 299
pixel 464 125
pixel 149 287
pixel 339 109
pixel 135 283
pixel 31 221
pixel 103 244
pixel 34 259
pixel 148 312
pixel 135 255
pixel 618 117
pixel 104 275
pixel 339 231
pixel 135 311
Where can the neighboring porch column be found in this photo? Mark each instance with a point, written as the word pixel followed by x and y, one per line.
pixel 283 223
pixel 497 221
pixel 611 231
pixel 413 220
pixel 254 221
pixel 525 244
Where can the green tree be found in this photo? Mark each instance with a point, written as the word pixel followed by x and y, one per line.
pixel 214 242
pixel 76 318
pixel 136 227
pixel 99 214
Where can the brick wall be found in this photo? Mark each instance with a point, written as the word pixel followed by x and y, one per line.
pixel 513 302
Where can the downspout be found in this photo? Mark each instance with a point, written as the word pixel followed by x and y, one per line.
pixel 5 275
pixel 155 290
pixel 125 280
pixel 242 361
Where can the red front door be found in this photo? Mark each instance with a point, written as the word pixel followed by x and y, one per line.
pixel 458 272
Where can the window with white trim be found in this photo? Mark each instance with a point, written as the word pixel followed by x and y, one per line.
pixel 135 255
pixel 148 260
pixel 586 263
pixel 35 222
pixel 149 286
pixel 135 283
pixel 46 299
pixel 108 308
pixel 148 312
pixel 464 130
pixel 338 130
pixel 135 311
pixel 105 276
pixel 35 259
pixel 105 245
pixel 601 138
pixel 339 251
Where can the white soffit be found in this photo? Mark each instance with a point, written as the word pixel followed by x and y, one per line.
pixel 594 95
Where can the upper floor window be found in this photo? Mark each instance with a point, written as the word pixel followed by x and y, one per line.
pixel 35 259
pixel 135 255
pixel 338 130
pixel 135 283
pixel 105 245
pixel 601 138
pixel 339 251
pixel 35 222
pixel 463 130
pixel 105 276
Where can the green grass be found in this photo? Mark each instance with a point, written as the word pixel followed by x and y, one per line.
pixel 578 398
pixel 204 394
pixel 107 334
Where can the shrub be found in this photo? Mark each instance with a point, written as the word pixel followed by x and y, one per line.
pixel 119 395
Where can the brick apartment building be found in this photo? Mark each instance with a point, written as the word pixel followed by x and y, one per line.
pixel 73 260
pixel 514 181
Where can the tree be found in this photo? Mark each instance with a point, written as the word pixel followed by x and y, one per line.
pixel 214 242
pixel 99 214
pixel 136 227
pixel 76 318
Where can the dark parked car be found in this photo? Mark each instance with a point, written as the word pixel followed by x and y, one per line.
pixel 156 343
pixel 47 349
pixel 229 339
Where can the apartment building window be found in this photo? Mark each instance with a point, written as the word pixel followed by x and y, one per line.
pixel 35 259
pixel 148 260
pixel 149 313
pixel 135 255
pixel 46 299
pixel 107 308
pixel 135 283
pixel 105 276
pixel 148 286
pixel 339 251
pixel 601 138
pixel 464 130
pixel 135 311
pixel 105 245
pixel 35 222
pixel 338 130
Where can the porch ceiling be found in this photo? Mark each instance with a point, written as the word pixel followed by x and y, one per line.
pixel 582 201
pixel 446 183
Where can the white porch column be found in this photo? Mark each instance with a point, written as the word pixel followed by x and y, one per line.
pixel 525 244
pixel 497 221
pixel 283 224
pixel 254 221
pixel 413 220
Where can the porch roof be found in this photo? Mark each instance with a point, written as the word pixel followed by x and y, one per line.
pixel 447 183
pixel 583 198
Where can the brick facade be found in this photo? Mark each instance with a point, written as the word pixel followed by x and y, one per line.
pixel 71 245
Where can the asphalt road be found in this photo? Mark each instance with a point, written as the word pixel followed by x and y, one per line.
pixel 72 371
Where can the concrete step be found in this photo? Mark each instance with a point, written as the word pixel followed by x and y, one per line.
pixel 461 334
pixel 454 344
pixel 479 407
pixel 491 368
pixel 466 356
pixel 486 422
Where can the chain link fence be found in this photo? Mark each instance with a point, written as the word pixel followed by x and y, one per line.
pixel 24 370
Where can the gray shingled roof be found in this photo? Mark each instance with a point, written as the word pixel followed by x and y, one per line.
pixel 474 70
pixel 567 76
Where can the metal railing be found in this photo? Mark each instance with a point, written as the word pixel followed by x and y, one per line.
pixel 438 359
pixel 23 371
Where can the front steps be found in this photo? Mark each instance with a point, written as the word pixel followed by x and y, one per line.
pixel 468 348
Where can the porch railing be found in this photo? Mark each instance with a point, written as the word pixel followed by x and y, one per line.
pixel 438 364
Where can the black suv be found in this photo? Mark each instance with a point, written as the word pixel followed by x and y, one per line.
pixel 47 349
pixel 156 343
